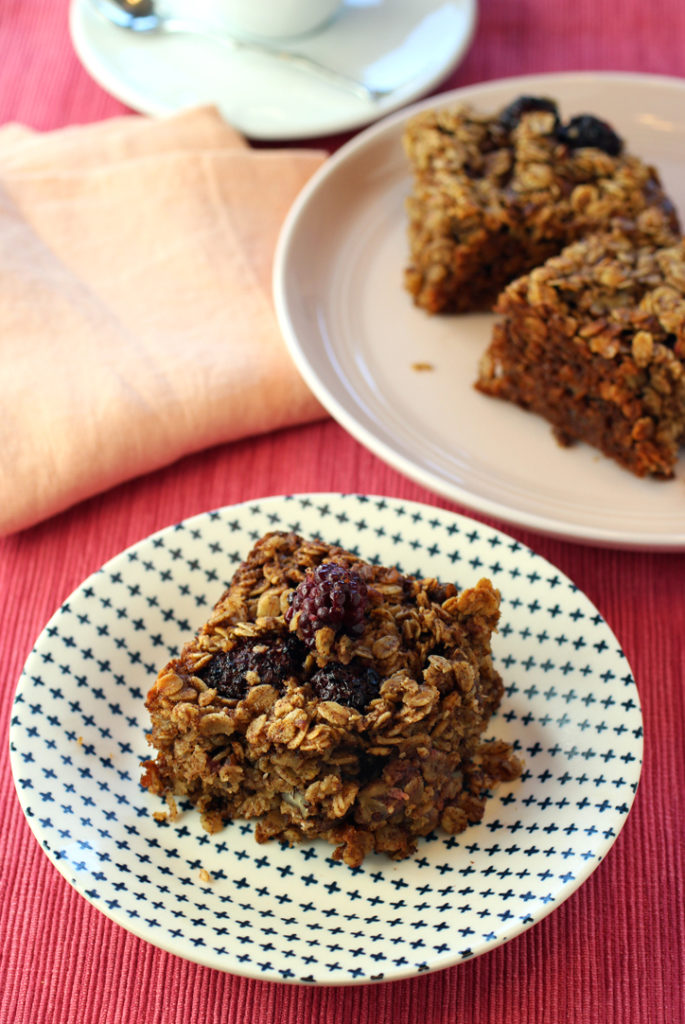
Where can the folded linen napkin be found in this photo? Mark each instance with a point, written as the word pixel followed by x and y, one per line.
pixel 136 322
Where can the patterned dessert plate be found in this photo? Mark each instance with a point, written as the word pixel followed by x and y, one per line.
pixel 402 382
pixel 77 737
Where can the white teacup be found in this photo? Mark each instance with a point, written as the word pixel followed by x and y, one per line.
pixel 267 19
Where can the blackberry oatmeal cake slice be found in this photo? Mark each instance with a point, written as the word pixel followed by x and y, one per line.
pixel 594 341
pixel 333 699
pixel 494 195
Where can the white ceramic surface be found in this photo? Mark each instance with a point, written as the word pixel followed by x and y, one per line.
pixel 356 337
pixel 407 45
pixel 77 737
pixel 267 19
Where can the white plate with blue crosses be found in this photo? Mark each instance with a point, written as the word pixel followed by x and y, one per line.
pixel 292 914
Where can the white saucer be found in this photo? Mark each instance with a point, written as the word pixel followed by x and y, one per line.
pixel 409 45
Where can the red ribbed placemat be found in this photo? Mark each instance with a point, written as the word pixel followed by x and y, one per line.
pixel 614 951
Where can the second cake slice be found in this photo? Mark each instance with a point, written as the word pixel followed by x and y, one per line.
pixel 594 341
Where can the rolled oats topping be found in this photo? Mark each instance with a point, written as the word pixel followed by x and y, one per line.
pixel 364 729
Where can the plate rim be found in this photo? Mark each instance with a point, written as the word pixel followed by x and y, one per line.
pixel 453 958
pixel 631 539
pixel 131 97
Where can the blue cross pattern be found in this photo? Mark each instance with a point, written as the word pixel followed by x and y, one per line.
pixel 77 737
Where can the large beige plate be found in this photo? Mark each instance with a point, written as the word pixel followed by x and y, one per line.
pixel 356 337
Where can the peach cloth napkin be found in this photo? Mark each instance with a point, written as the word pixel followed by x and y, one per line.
pixel 136 321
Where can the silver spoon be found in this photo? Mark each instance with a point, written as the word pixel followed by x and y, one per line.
pixel 141 16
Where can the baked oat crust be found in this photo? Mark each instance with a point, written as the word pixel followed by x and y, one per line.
pixel 412 760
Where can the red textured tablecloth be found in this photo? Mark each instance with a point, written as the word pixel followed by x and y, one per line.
pixel 614 952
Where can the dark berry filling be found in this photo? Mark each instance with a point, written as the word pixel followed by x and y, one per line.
pixel 582 130
pixel 353 685
pixel 512 114
pixel 586 130
pixel 273 658
pixel 329 595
